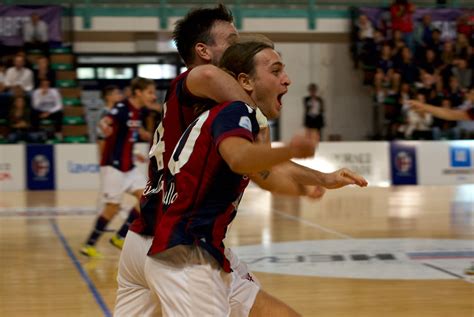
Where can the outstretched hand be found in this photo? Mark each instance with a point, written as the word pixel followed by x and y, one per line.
pixel 343 177
pixel 416 105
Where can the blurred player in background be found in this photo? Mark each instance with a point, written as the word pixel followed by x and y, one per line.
pixel 122 128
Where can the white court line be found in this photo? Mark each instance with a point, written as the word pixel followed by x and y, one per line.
pixel 311 224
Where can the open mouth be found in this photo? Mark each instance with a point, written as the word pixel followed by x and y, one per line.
pixel 279 97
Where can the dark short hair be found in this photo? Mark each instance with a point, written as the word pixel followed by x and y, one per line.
pixel 196 27
pixel 108 90
pixel 140 83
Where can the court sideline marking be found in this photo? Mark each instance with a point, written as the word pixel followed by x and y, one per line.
pixel 90 284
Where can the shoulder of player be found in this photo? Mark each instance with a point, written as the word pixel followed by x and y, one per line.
pixel 236 106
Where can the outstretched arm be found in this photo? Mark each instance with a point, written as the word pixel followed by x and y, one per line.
pixel 442 113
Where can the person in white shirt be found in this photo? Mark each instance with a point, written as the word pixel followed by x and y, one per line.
pixel 47 104
pixel 19 75
pixel 35 34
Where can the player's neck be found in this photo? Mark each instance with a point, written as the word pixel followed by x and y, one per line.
pixel 135 102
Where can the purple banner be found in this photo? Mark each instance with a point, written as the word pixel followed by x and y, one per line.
pixel 442 19
pixel 12 18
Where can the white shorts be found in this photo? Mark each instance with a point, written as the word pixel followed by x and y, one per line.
pixel 115 183
pixel 134 297
pixel 189 282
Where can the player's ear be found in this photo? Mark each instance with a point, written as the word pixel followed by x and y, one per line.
pixel 203 51
pixel 245 82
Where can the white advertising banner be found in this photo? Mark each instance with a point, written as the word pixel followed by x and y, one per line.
pixel 370 159
pixel 12 167
pixel 445 162
pixel 77 165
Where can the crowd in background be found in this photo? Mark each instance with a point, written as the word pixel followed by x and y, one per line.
pixel 31 105
pixel 407 59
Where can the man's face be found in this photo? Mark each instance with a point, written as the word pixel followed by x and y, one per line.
pixel 115 96
pixel 270 82
pixel 19 62
pixel 147 96
pixel 224 35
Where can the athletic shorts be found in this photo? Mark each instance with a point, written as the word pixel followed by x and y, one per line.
pixel 115 183
pixel 189 282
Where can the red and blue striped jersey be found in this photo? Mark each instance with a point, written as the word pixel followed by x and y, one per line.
pixel 178 113
pixel 118 148
pixel 201 193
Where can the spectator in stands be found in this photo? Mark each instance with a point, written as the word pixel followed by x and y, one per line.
pixel 427 84
pixel 423 36
pixel 454 92
pixel 18 121
pixel 35 34
pixel 417 125
pixel 365 37
pixel 313 113
pixel 436 43
pixel 443 129
pixel 463 73
pixel 43 71
pixel 402 20
pixel 430 62
pixel 19 75
pixel 462 47
pixel 385 74
pixel 406 68
pixel 465 26
pixel 397 43
pixel 47 104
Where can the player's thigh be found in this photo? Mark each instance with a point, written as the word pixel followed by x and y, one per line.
pixel 268 305
pixel 243 294
pixel 112 185
pixel 135 182
pixel 134 298
pixel 137 302
pixel 190 290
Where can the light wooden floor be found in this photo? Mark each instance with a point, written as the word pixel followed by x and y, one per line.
pixel 39 277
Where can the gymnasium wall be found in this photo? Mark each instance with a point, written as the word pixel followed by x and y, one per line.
pixel 74 166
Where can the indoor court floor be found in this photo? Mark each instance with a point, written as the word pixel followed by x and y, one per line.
pixel 394 251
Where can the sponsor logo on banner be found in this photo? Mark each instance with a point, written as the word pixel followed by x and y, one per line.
pixel 40 167
pixel 80 168
pixel 460 156
pixel 460 162
pixel 402 259
pixel 5 172
pixel 403 162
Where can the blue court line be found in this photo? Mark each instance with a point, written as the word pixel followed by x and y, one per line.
pixel 98 298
